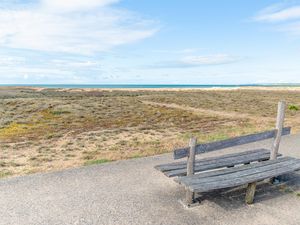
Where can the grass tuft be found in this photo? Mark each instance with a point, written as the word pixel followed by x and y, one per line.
pixel 5 174
pixel 97 161
pixel 57 113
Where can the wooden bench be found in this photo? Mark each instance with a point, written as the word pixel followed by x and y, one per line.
pixel 231 170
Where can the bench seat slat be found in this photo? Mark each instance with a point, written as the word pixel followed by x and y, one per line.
pixel 208 160
pixel 222 162
pixel 237 172
pixel 289 166
pixel 226 171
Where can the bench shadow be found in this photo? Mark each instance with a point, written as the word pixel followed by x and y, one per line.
pixel 230 199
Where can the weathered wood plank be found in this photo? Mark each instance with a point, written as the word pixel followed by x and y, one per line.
pixel 257 168
pixel 190 196
pixel 208 160
pixel 202 148
pixel 226 171
pixel 279 126
pixel 191 157
pixel 245 180
pixel 219 164
pixel 224 162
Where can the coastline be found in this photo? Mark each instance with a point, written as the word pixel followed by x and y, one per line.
pixel 158 89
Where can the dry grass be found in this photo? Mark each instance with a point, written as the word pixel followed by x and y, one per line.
pixel 46 130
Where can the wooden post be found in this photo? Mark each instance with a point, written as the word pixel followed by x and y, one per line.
pixel 190 196
pixel 274 149
pixel 279 126
pixel 250 193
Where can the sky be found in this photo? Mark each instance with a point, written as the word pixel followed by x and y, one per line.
pixel 149 42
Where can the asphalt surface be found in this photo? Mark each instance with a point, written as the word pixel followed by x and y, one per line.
pixel 133 192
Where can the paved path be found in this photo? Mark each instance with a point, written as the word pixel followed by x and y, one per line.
pixel 132 192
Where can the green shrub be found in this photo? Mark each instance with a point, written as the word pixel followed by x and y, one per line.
pixel 293 108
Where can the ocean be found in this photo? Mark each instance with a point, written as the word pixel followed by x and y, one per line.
pixel 148 85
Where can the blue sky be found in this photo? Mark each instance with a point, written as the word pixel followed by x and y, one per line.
pixel 149 42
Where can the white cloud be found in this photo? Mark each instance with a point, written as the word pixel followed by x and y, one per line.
pixel 277 15
pixel 291 28
pixel 34 70
pixel 196 61
pixel 72 63
pixel 25 76
pixel 70 26
pixel 75 5
pixel 182 51
pixel 209 59
pixel 284 19
pixel 6 60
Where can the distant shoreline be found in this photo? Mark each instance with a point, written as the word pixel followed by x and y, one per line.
pixel 150 86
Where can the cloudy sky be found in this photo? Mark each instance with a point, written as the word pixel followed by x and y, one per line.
pixel 149 42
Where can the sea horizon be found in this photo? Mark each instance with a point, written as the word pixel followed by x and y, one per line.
pixel 147 85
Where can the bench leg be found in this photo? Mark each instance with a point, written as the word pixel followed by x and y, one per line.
pixel 189 197
pixel 250 193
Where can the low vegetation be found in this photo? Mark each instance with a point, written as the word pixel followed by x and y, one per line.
pixel 52 129
pixel 293 108
pixel 98 161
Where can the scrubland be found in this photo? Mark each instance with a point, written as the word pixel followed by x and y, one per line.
pixel 52 129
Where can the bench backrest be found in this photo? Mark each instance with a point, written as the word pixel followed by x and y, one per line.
pixel 218 145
